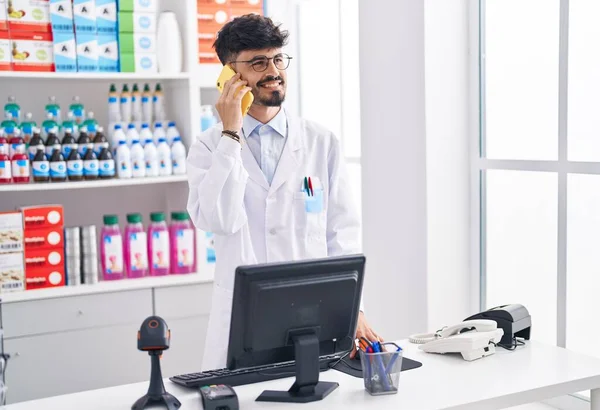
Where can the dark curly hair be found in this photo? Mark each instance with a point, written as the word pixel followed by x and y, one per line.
pixel 248 32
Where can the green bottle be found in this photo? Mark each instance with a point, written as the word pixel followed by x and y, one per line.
pixel 76 108
pixel 13 108
pixel 49 125
pixel 71 123
pixel 90 124
pixel 27 127
pixel 53 108
pixel 8 121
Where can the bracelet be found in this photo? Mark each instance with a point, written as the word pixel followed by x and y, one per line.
pixel 232 134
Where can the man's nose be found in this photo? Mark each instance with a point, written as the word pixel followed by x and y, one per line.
pixel 272 69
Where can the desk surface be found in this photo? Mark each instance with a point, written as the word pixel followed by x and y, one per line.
pixel 532 373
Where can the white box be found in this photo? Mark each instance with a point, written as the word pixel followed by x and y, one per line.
pixel 134 22
pixel 87 52
pixel 61 16
pixel 84 16
pixel 5 59
pixel 139 5
pixel 31 16
pixel 3 16
pixel 12 272
pixel 31 51
pixel 106 16
pixel 138 63
pixel 108 53
pixel 65 52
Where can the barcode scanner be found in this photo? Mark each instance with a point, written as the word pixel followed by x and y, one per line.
pixel 154 337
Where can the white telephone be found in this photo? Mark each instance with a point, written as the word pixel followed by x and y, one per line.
pixel 473 339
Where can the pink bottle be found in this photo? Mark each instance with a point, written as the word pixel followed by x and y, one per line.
pixel 183 243
pixel 111 249
pixel 136 249
pixel 5 165
pixel 158 245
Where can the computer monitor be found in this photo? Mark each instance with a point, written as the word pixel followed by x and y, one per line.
pixel 295 311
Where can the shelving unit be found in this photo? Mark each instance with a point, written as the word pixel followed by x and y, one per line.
pixel 107 183
pixel 94 76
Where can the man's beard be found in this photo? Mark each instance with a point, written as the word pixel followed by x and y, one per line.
pixel 275 99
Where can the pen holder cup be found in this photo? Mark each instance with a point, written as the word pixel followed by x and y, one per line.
pixel 381 371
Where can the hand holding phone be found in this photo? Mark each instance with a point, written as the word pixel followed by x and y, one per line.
pixel 235 99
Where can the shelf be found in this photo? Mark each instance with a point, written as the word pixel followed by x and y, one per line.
pixel 110 286
pixel 93 76
pixel 107 183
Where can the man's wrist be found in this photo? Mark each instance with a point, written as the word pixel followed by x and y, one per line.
pixel 231 134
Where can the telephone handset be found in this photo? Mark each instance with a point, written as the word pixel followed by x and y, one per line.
pixel 226 73
pixel 468 326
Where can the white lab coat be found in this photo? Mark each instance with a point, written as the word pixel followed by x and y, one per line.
pixel 257 223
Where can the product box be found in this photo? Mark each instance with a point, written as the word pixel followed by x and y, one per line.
pixel 84 16
pixel 65 52
pixel 138 5
pixel 61 16
pixel 87 52
pixel 45 216
pixel 238 11
pixel 3 16
pixel 44 238
pixel 134 22
pixel 5 59
pixel 106 16
pixel 207 15
pixel 44 258
pixel 138 63
pixel 137 43
pixel 256 4
pixel 11 232
pixel 31 51
pixel 12 272
pixel 29 16
pixel 40 278
pixel 108 53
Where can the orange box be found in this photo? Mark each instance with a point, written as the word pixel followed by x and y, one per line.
pixel 44 258
pixel 212 15
pixel 256 4
pixel 31 51
pixel 45 216
pixel 208 58
pixel 11 232
pixel 237 11
pixel 44 238
pixel 203 3
pixel 41 278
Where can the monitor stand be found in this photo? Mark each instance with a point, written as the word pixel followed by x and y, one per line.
pixel 307 386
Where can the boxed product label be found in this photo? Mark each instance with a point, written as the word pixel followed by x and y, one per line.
pixel 219 15
pixel 32 51
pixel 46 216
pixel 44 238
pixel 12 272
pixel 5 59
pixel 134 43
pixel 29 15
pixel 134 22
pixel 106 16
pixel 84 16
pixel 3 16
pixel 44 278
pixel 87 52
pixel 44 258
pixel 11 232
pixel 138 5
pixel 138 63
pixel 65 52
pixel 108 53
pixel 61 16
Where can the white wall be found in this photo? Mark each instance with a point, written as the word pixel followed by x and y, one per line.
pixel 447 147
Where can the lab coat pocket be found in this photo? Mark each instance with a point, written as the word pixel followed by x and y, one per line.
pixel 314 204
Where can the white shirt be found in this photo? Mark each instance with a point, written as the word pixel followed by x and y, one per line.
pixel 266 141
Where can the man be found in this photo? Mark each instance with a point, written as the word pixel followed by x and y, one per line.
pixel 248 176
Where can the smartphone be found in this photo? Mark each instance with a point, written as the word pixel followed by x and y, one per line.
pixel 226 73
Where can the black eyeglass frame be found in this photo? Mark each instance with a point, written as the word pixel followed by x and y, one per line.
pixel 262 58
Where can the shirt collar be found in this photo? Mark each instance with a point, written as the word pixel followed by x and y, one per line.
pixel 278 123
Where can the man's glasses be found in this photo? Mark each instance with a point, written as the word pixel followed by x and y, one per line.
pixel 261 63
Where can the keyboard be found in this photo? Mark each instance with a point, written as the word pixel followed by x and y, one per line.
pixel 247 375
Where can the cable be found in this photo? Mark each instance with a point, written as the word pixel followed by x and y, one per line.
pixel 513 346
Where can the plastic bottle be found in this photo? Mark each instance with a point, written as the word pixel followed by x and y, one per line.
pixel 145 134
pixel 100 142
pixel 138 165
pixel 20 165
pixel 4 141
pixel 147 104
pixel 27 127
pixel 106 164
pixel 53 108
pixel 178 157
pixel 132 134
pixel 159 132
pixel 71 123
pixel 158 245
pixel 15 140
pixel 90 124
pixel 76 108
pixel 123 160
pixel 49 126
pixel 136 248
pixel 12 108
pixel 5 165
pixel 118 136
pixel 207 117
pixel 165 165
pixel 111 249
pixel 84 143
pixel 114 110
pixel 158 100
pixel 136 106
pixel 58 167
pixel 74 166
pixel 8 121
pixel 52 144
pixel 35 144
pixel 90 166
pixel 183 243
pixel 151 158
pixel 40 166
pixel 172 133
pixel 68 143
pixel 125 104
